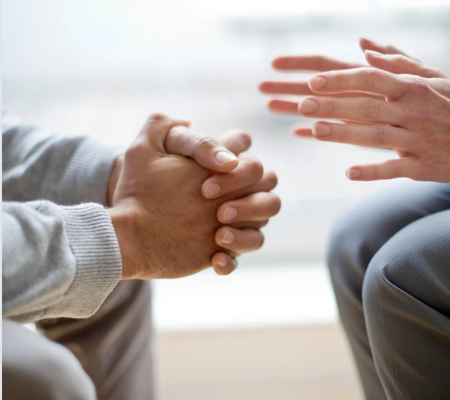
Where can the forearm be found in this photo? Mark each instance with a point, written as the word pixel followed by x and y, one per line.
pixel 65 170
pixel 57 261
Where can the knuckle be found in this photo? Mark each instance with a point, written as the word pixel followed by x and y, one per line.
pixel 393 170
pixel 157 117
pixel 431 166
pixel 419 87
pixel 373 77
pixel 206 143
pixel 398 63
pixel 435 73
pixel 370 109
pixel 321 62
pixel 256 169
pixel 383 135
pixel 329 105
pixel 245 138
pixel 340 79
pixel 392 49
pixel 402 59
pixel 427 139
pixel 134 151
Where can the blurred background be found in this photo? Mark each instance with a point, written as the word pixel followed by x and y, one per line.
pixel 270 330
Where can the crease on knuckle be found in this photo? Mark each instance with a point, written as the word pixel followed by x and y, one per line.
pixel 329 106
pixel 419 88
pixel 370 110
pixel 373 78
pixel 204 144
pixel 394 170
pixel 383 136
pixel 431 166
pixel 245 138
pixel 398 63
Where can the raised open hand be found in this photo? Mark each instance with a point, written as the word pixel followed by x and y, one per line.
pixel 412 117
pixel 388 58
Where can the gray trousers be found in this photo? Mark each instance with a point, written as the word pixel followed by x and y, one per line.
pixel 389 260
pixel 105 357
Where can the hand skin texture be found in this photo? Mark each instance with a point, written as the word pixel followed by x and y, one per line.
pixel 167 222
pixel 398 104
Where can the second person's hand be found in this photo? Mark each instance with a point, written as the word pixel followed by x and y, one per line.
pixel 386 57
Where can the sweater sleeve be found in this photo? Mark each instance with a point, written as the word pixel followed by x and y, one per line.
pixel 64 170
pixel 57 261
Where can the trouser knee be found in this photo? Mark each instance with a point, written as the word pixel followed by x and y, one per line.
pixel 36 368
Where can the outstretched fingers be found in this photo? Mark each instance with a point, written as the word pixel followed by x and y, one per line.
pixel 408 167
pixel 311 63
pixel 364 80
pixel 368 44
pixel 401 64
pixel 369 135
pixel 359 110
pixel 294 88
pixel 283 106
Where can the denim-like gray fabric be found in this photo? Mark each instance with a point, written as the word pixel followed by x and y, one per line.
pixel 389 261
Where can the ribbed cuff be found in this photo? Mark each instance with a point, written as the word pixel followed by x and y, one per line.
pixel 93 242
pixel 87 175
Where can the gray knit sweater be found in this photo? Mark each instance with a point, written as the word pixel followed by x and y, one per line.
pixel 60 252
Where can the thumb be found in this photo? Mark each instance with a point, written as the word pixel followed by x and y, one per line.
pixel 155 130
pixel 205 150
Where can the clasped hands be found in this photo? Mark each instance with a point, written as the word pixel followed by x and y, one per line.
pixel 181 202
pixel 393 102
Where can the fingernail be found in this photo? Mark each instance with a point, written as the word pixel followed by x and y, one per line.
pixel 230 214
pixel 222 261
pixel 212 190
pixel 321 130
pixel 374 53
pixel 228 238
pixel 223 157
pixel 308 106
pixel 353 173
pixel 318 82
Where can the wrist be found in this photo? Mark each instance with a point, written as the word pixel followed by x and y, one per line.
pixel 113 179
pixel 122 224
